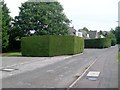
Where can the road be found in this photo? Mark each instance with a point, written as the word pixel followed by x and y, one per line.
pixel 62 73
pixel 107 65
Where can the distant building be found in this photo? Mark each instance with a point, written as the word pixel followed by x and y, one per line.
pixel 79 34
pixel 84 33
pixel 93 34
pixel 101 36
pixel 72 31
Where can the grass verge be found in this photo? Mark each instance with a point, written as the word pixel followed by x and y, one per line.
pixel 10 54
pixel 119 57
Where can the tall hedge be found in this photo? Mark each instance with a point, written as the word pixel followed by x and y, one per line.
pixel 51 45
pixel 98 43
pixel 113 42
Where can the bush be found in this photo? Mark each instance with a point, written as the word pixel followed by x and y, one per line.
pixel 98 43
pixel 51 45
pixel 15 45
pixel 113 42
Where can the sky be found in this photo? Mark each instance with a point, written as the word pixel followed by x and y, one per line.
pixel 93 14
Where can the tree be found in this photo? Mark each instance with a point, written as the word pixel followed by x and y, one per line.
pixel 112 31
pixel 111 36
pixel 5 25
pixel 85 29
pixel 44 18
pixel 0 29
pixel 117 34
pixel 101 32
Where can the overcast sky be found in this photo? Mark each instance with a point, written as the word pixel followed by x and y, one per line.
pixel 93 14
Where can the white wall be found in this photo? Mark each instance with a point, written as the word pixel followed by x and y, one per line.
pixel 79 34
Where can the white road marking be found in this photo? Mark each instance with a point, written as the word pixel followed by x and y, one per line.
pixel 81 76
pixel 93 74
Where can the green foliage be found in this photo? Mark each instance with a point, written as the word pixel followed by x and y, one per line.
pixel 64 45
pixel 117 34
pixel 78 45
pixel 110 36
pixel 0 41
pixel 98 43
pixel 46 18
pixel 113 38
pixel 11 54
pixel 51 45
pixel 0 28
pixel 5 26
pixel 113 42
pixel 35 46
pixel 85 29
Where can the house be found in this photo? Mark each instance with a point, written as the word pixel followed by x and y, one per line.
pixel 93 34
pixel 84 33
pixel 79 34
pixel 104 33
pixel 101 36
pixel 72 31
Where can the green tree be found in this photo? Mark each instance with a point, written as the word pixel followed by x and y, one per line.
pixel 117 34
pixel 112 31
pixel 85 29
pixel 5 25
pixel 111 36
pixel 0 29
pixel 45 18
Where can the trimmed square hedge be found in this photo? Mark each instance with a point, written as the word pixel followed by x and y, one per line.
pixel 98 43
pixel 51 45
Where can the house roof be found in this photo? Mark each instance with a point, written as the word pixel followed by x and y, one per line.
pixel 72 31
pixel 84 33
pixel 92 34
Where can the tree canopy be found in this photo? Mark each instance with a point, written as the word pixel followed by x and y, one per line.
pixel 110 35
pixel 5 22
pixel 117 34
pixel 41 18
pixel 85 29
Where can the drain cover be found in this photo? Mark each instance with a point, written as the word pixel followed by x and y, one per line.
pixel 9 69
pixel 92 79
pixel 93 75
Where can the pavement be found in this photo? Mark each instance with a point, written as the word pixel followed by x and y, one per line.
pixel 14 61
pixel 61 71
pixel 25 64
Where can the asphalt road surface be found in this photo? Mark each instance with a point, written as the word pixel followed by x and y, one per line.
pixel 107 65
pixel 62 73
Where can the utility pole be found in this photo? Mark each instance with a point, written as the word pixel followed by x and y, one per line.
pixel 118 14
